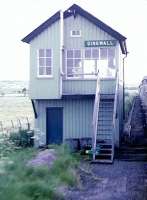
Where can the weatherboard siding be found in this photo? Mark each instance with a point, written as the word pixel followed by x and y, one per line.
pixel 73 87
pixel 49 88
pixel 45 88
pixel 89 31
pixel 77 117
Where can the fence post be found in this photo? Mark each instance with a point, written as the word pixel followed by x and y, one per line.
pixel 12 123
pixel 19 124
pixel 1 125
pixel 28 124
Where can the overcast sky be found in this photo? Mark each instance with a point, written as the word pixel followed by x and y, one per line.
pixel 20 17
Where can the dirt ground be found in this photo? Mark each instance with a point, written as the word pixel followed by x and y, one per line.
pixel 121 180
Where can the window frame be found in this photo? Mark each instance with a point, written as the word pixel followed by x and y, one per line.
pixel 76 36
pixel 83 57
pixel 74 77
pixel 38 66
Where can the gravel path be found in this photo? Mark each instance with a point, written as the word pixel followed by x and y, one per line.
pixel 121 180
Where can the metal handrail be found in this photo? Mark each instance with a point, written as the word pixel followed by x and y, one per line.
pixel 130 118
pixel 115 112
pixel 95 115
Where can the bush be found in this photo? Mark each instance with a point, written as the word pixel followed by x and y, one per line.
pixel 38 183
pixel 22 138
pixel 6 146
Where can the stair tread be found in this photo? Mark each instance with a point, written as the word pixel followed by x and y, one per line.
pixel 102 161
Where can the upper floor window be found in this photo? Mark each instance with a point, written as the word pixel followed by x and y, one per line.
pixel 75 33
pixel 45 62
pixel 74 62
pixel 85 63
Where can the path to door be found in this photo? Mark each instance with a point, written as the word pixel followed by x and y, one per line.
pixel 119 181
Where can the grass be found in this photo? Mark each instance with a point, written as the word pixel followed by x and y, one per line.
pixel 13 108
pixel 40 183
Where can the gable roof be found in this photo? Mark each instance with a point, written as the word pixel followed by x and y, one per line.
pixel 74 10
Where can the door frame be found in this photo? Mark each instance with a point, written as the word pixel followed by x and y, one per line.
pixel 47 135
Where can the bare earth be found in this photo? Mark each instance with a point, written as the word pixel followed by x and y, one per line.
pixel 121 180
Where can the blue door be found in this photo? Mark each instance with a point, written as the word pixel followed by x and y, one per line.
pixel 54 123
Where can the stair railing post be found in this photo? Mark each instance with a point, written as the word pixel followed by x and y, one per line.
pixel 95 116
pixel 115 113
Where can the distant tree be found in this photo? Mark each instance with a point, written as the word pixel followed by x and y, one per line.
pixel 24 91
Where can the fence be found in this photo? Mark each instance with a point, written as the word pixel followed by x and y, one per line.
pixel 16 125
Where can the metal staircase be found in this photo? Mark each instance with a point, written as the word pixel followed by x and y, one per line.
pixel 105 131
pixel 104 125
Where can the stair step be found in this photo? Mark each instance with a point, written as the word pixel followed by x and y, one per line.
pixel 104 120
pixel 107 151
pixel 102 128
pixel 108 146
pixel 102 161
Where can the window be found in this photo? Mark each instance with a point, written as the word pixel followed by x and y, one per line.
pixel 85 63
pixel 44 62
pixel 74 63
pixel 75 33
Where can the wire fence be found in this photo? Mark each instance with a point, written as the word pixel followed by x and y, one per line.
pixel 16 125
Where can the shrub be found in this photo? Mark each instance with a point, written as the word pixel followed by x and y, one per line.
pixel 22 138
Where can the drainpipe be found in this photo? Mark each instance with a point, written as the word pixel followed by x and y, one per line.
pixel 61 48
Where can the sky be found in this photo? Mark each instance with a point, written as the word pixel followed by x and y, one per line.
pixel 20 17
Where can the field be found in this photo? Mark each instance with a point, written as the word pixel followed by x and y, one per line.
pixel 14 106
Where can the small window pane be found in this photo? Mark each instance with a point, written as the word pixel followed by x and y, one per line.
pixel 103 53
pixel 48 53
pixel 111 52
pixel 88 53
pixel 70 72
pixel 48 62
pixel 41 62
pixel 78 63
pixel 48 70
pixel 111 63
pixel 70 54
pixel 41 53
pixel 77 54
pixel 95 53
pixel 41 70
pixel 69 62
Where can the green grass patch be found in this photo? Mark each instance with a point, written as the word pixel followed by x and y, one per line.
pixel 37 183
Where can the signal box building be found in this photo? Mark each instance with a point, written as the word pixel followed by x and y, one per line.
pixel 76 80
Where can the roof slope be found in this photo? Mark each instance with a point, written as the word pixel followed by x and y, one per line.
pixel 73 10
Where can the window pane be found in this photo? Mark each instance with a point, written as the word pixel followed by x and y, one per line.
pixel 111 52
pixel 77 54
pixel 111 63
pixel 41 53
pixel 48 62
pixel 70 54
pixel 48 70
pixel 103 68
pixel 95 53
pixel 69 63
pixel 41 70
pixel 103 53
pixel 48 53
pixel 78 63
pixel 41 62
pixel 89 69
pixel 88 53
pixel 70 72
